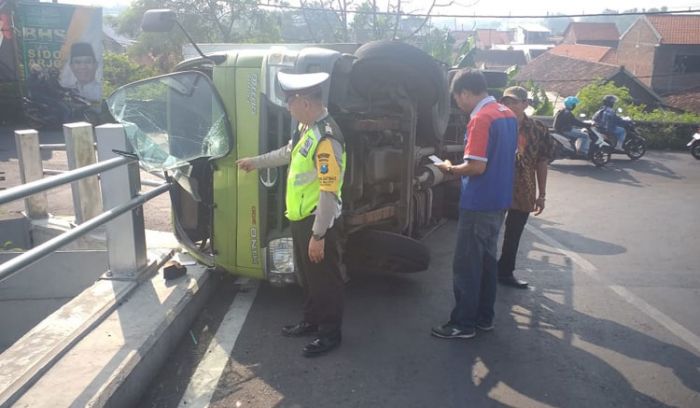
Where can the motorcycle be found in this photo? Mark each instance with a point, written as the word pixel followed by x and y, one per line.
pixel 70 108
pixel 634 145
pixel 694 144
pixel 567 148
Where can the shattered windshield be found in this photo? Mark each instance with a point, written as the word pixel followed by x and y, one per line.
pixel 172 120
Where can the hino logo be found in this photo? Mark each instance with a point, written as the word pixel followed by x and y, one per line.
pixel 268 177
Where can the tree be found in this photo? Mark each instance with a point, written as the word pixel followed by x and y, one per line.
pixel 204 20
pixel 120 70
pixel 557 25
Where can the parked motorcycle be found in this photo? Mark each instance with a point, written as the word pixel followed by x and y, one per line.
pixel 634 145
pixel 71 107
pixel 566 148
pixel 694 144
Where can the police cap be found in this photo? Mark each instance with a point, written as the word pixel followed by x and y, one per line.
pixel 301 84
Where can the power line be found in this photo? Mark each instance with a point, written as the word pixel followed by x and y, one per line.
pixel 509 16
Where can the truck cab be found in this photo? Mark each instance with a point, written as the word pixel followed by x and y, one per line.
pixel 392 104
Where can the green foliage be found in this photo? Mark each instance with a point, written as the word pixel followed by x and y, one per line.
pixel 540 101
pixel 663 129
pixel 591 97
pixel 545 108
pixel 438 43
pixel 120 70
pixel 220 21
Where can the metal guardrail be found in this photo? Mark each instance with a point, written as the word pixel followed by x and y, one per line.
pixel 9 268
pixel 119 178
pixel 26 190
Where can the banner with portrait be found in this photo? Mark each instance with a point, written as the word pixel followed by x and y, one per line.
pixel 62 44
pixel 8 57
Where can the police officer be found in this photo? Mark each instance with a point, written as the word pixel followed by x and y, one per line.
pixel 316 158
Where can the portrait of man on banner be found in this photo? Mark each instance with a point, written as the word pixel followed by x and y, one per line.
pixel 82 67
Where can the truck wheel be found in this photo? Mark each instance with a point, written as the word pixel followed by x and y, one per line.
pixel 384 251
pixel 389 63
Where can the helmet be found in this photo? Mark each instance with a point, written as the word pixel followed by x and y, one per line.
pixel 610 100
pixel 570 102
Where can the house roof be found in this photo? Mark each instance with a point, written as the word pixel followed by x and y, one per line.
pixel 593 31
pixel 687 100
pixel 584 52
pixel 534 28
pixel 488 37
pixel 498 58
pixel 676 29
pixel 564 75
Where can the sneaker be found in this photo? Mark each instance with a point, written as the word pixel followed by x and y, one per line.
pixel 485 327
pixel 449 331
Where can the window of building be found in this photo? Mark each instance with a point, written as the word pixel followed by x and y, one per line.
pixel 687 64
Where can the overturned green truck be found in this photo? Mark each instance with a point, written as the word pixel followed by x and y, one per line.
pixel 392 103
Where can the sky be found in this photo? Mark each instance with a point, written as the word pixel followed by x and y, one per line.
pixel 495 7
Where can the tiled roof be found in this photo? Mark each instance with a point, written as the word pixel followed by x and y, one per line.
pixel 564 75
pixel 678 29
pixel 688 100
pixel 489 37
pixel 501 58
pixel 594 31
pixel 584 52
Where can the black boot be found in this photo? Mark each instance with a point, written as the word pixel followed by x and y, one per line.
pixel 322 344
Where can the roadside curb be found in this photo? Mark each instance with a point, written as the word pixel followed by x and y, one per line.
pixel 111 361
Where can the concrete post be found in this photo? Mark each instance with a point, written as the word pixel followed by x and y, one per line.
pixel 126 236
pixel 80 150
pixel 31 168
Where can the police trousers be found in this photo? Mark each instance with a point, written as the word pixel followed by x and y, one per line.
pixel 322 282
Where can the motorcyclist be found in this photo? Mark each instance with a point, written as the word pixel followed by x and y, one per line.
pixel 564 122
pixel 609 122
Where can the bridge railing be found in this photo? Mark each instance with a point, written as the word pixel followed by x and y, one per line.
pixel 119 183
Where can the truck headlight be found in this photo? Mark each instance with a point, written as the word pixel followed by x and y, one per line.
pixel 281 255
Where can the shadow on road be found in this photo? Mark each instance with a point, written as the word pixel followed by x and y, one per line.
pixel 618 170
pixel 551 347
pixel 575 240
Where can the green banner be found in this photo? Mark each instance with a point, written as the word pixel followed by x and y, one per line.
pixel 64 42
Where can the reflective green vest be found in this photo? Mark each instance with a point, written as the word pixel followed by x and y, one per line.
pixel 303 188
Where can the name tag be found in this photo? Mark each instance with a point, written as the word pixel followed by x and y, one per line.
pixel 304 151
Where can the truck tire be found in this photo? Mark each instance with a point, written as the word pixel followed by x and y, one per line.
pixel 389 63
pixel 383 251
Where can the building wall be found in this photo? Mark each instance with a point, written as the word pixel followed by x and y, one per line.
pixel 638 93
pixel 637 49
pixel 669 76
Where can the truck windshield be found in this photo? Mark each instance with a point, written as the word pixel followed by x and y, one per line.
pixel 172 120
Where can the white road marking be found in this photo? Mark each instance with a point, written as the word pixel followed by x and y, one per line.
pixel 204 380
pixel 589 269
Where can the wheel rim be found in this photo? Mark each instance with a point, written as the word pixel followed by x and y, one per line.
pixel 600 158
pixel 636 149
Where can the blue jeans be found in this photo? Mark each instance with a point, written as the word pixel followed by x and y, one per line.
pixel 475 268
pixel 620 134
pixel 581 135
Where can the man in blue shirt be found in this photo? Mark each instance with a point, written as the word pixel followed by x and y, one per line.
pixel 487 190
pixel 607 120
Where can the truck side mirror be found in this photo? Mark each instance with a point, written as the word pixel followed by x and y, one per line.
pixel 158 21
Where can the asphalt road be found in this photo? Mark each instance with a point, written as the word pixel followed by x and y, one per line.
pixel 611 318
